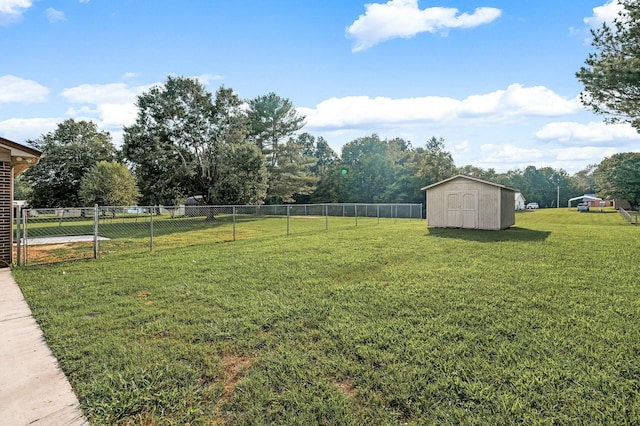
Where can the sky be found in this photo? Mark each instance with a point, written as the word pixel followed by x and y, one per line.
pixel 494 78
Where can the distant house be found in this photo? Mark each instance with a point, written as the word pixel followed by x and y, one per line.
pixel 519 201
pixel 594 201
pixel 467 202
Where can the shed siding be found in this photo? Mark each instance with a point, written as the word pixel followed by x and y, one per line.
pixel 507 210
pixel 489 208
pixel 494 206
pixel 435 214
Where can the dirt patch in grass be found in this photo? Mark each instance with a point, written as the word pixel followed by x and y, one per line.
pixel 143 420
pixel 347 388
pixel 234 367
pixel 48 253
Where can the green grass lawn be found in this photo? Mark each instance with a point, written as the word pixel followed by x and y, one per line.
pixel 384 323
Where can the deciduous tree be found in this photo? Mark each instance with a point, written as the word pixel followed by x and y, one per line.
pixel 584 182
pixel 109 183
pixel 433 163
pixel 68 153
pixel 618 176
pixel 185 143
pixel 368 171
pixel 243 177
pixel 611 77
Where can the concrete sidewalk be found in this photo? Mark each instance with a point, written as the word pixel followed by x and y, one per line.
pixel 33 389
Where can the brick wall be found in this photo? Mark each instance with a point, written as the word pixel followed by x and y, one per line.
pixel 5 214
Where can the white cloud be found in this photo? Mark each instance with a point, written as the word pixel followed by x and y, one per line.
pixel 404 18
pixel 584 154
pixel 114 116
pixel 515 101
pixel 462 147
pixel 206 79
pixel 102 93
pixel 21 129
pixel 499 154
pixel 511 157
pixel 504 157
pixel 605 13
pixel 54 15
pixel 111 106
pixel 12 10
pixel 593 132
pixel 16 89
pixel 82 111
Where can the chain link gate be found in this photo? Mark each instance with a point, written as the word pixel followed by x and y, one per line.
pixel 55 235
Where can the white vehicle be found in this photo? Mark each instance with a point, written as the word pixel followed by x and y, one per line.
pixel 532 206
pixel 583 207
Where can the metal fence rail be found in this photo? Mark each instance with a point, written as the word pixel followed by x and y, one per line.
pixel 55 235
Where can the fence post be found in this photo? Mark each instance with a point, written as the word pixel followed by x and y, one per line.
pixel 25 236
pixel 95 231
pixel 233 211
pixel 378 212
pixel 355 213
pixel 151 229
pixel 288 220
pixel 18 225
pixel 326 217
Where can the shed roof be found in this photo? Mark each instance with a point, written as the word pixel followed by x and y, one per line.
pixel 469 178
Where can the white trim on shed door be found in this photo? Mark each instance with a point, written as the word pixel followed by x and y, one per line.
pixel 461 209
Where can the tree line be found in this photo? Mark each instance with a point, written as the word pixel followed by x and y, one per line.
pixel 219 149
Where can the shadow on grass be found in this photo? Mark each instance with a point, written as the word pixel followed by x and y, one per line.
pixel 511 234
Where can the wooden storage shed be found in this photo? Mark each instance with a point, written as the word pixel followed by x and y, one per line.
pixel 14 159
pixel 467 202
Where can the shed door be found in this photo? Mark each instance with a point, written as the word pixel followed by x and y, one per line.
pixel 470 209
pixel 453 210
pixel 462 209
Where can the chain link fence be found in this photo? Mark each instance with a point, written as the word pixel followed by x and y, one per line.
pixel 56 235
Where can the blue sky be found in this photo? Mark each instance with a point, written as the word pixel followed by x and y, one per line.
pixel 494 78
